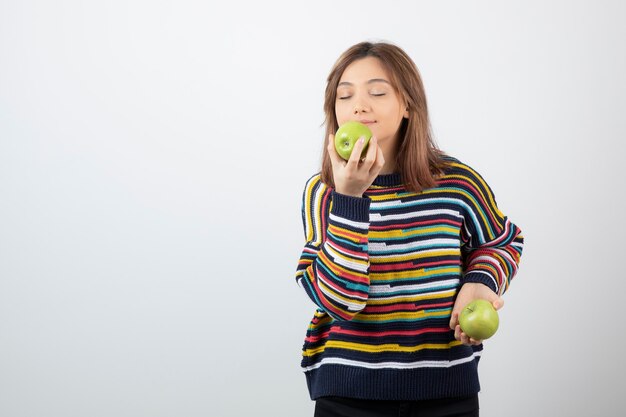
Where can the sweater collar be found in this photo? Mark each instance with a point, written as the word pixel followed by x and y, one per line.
pixel 388 180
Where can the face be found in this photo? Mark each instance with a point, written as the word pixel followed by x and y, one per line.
pixel 365 94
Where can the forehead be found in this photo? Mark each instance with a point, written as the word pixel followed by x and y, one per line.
pixel 363 70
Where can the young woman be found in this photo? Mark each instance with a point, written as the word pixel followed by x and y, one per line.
pixel 397 243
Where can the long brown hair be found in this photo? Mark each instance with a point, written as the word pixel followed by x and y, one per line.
pixel 419 160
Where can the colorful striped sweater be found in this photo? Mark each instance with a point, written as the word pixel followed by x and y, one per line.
pixel 384 271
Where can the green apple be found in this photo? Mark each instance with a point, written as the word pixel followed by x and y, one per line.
pixel 479 319
pixel 347 135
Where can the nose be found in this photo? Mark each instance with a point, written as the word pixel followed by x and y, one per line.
pixel 360 106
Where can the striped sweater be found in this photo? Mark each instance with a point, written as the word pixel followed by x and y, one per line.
pixel 384 271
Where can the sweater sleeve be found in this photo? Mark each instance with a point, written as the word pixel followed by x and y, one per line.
pixel 491 244
pixel 333 267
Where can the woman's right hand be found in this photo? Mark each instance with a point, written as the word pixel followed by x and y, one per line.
pixel 354 176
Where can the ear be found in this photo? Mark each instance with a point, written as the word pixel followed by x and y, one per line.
pixel 406 113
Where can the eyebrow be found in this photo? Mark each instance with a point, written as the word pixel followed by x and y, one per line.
pixel 373 80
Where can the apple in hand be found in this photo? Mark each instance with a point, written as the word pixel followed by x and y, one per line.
pixel 347 135
pixel 479 319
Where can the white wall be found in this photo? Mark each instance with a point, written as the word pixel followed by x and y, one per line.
pixel 152 158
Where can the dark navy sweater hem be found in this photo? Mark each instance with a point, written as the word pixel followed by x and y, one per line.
pixel 393 384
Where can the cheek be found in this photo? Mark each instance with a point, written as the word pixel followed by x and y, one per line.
pixel 342 112
pixel 397 112
pixel 391 113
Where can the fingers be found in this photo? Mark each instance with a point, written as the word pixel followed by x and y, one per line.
pixel 488 294
pixel 374 160
pixel 474 341
pixel 355 176
pixel 454 320
pixel 494 299
pixel 372 150
pixel 332 152
pixel 463 338
pixel 357 150
pixel 483 291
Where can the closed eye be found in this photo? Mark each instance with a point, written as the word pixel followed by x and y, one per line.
pixel 344 97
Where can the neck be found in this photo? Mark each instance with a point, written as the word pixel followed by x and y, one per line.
pixel 390 151
pixel 389 167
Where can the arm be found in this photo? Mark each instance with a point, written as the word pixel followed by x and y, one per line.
pixel 333 267
pixel 491 244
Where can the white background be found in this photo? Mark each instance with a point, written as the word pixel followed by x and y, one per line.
pixel 152 159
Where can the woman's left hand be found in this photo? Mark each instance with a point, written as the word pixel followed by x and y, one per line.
pixel 469 292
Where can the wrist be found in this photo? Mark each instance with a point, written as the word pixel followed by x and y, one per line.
pixel 480 277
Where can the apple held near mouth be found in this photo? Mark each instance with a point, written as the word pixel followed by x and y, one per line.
pixel 479 319
pixel 347 135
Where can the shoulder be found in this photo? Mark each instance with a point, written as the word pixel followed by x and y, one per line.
pixel 462 173
pixel 313 179
pixel 466 183
pixel 314 189
pixel 314 184
pixel 454 166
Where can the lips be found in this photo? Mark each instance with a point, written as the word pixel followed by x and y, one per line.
pixel 367 122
